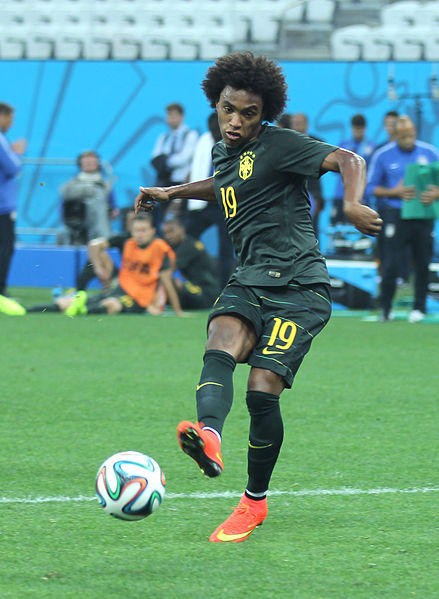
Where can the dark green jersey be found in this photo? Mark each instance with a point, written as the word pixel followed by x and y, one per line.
pixel 196 265
pixel 262 190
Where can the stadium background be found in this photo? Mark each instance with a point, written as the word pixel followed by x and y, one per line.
pixel 117 108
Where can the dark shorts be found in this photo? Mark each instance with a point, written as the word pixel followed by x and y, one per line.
pixel 129 305
pixel 286 319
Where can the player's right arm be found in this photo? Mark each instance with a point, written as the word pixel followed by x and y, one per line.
pixel 352 168
pixel 199 190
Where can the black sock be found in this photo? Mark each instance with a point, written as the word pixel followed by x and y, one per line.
pixel 96 309
pixel 44 308
pixel 265 440
pixel 86 275
pixel 215 389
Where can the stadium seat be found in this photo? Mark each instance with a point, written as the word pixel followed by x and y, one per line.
pixel 183 48
pixel 431 44
pixel 97 47
pixel 427 15
pixel 378 43
pixel 399 13
pixel 264 27
pixel 11 17
pixel 347 42
pixel 68 46
pixel 293 13
pixel 387 43
pixel 39 46
pixel 155 47
pixel 13 43
pixel 320 11
pixel 262 18
pixel 409 44
pixel 125 46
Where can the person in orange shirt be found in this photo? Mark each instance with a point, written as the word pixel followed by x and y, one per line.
pixel 144 281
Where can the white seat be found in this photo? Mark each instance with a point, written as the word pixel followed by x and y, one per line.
pixel 97 47
pixel 347 42
pixel 264 27
pixel 265 17
pixel 68 47
pixel 431 44
pixel 212 49
pixel 427 15
pixel 125 47
pixel 378 43
pixel 14 4
pixel 155 47
pixel 13 43
pixel 39 46
pixel 214 34
pixel 387 43
pixel 320 11
pixel 399 13
pixel 409 44
pixel 11 17
pixel 183 48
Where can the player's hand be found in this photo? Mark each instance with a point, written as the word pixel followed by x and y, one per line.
pixel 366 220
pixel 430 195
pixel 147 196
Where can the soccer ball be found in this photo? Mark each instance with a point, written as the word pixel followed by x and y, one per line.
pixel 130 485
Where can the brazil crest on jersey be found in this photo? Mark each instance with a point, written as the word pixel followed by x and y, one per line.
pixel 261 188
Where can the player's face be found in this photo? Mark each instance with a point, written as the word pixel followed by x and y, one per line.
pixel 239 115
pixel 173 233
pixel 405 136
pixel 143 232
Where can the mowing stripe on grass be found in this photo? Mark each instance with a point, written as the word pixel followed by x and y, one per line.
pixel 346 491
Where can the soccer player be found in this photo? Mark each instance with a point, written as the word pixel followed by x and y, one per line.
pixel 146 262
pixel 278 299
pixel 200 286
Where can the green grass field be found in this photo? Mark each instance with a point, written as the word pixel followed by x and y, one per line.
pixel 354 508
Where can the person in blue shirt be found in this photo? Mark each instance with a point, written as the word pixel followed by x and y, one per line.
pixel 172 158
pixel 386 183
pixel 10 166
pixel 362 146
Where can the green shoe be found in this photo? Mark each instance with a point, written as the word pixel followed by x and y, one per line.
pixel 78 307
pixel 11 307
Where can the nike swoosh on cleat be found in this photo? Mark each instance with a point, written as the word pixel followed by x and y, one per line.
pixel 268 352
pixel 222 536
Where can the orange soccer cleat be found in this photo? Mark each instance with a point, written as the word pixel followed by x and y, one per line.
pixel 245 518
pixel 202 445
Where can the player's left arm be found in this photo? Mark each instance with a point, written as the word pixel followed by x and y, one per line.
pixel 352 168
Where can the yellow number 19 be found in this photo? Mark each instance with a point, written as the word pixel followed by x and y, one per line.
pixel 229 201
pixel 286 331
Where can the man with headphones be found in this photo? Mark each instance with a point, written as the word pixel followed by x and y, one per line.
pixel 88 201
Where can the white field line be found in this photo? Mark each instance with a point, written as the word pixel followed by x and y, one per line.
pixel 344 491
